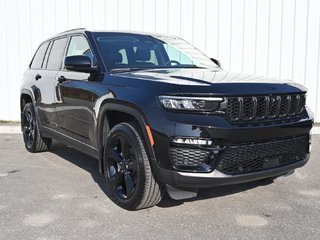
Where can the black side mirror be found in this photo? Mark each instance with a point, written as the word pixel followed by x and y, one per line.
pixel 217 62
pixel 79 63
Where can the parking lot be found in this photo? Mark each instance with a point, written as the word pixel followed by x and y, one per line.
pixel 60 195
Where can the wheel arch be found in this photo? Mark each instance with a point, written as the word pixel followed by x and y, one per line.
pixel 26 96
pixel 129 112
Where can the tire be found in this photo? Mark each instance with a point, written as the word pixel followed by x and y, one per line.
pixel 33 140
pixel 130 182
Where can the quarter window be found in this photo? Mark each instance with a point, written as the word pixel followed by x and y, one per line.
pixel 56 54
pixel 38 57
pixel 45 61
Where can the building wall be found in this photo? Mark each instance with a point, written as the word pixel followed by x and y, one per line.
pixel 278 38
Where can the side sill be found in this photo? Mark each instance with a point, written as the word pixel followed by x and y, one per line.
pixel 74 143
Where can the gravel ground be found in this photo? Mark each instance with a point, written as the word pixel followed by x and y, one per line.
pixel 60 195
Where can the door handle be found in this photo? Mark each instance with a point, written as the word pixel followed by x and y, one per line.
pixel 37 77
pixel 61 79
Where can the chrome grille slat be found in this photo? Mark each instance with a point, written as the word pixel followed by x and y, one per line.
pixel 278 103
pixel 298 102
pixel 289 105
pixel 273 107
pixel 293 106
pixel 302 104
pixel 240 100
pixel 263 108
pixel 267 106
pixel 255 103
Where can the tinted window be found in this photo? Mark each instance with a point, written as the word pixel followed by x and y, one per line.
pixel 175 54
pixel 38 57
pixel 79 46
pixel 56 54
pixel 45 61
pixel 142 51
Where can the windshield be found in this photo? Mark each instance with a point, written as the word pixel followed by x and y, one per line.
pixel 133 51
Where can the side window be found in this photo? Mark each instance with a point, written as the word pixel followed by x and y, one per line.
pixel 38 57
pixel 79 46
pixel 45 61
pixel 56 54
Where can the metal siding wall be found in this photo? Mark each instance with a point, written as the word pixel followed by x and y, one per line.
pixel 278 38
pixel 4 113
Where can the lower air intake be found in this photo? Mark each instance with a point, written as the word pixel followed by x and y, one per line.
pixel 237 159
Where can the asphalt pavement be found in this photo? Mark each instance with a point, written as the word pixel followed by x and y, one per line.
pixel 61 195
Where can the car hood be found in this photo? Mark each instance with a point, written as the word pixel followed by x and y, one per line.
pixel 216 81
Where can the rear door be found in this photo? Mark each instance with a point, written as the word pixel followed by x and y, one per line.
pixel 46 82
pixel 42 91
pixel 75 94
pixel 34 75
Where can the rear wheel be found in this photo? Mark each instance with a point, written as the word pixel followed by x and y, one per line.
pixel 127 169
pixel 33 140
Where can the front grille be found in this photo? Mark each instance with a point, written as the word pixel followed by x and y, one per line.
pixel 184 158
pixel 260 108
pixel 237 159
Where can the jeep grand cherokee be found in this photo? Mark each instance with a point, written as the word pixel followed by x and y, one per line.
pixel 159 115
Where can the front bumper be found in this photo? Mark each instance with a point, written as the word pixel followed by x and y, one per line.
pixel 203 180
pixel 167 126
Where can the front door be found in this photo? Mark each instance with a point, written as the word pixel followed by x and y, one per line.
pixel 75 96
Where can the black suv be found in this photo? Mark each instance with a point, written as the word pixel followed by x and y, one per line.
pixel 159 115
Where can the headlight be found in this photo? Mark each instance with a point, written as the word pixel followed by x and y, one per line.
pixel 205 104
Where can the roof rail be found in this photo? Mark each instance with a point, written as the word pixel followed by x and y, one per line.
pixel 73 30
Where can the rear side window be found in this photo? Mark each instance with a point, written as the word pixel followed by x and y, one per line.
pixel 45 61
pixel 56 54
pixel 38 57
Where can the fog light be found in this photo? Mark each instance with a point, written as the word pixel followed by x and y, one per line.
pixel 192 141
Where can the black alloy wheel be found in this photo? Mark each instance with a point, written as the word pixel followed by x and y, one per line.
pixel 129 178
pixel 28 128
pixel 122 167
pixel 33 140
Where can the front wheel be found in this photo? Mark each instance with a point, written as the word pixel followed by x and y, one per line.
pixel 33 140
pixel 127 169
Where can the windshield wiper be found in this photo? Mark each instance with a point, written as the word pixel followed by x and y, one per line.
pixel 129 69
pixel 133 69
